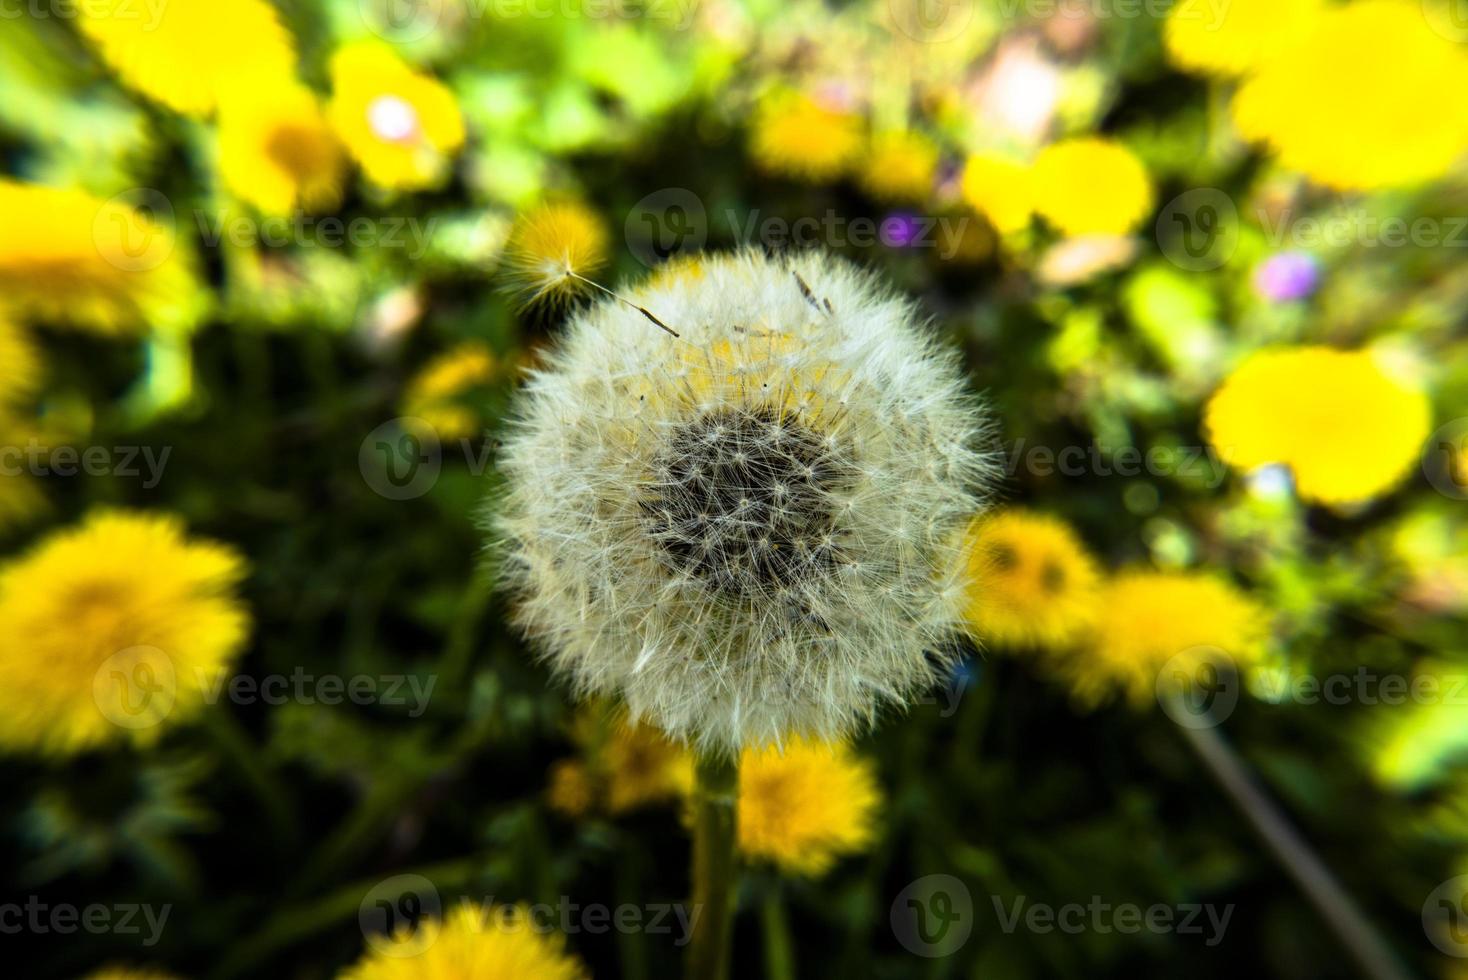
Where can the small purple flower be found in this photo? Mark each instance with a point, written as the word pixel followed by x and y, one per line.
pixel 900 229
pixel 1287 276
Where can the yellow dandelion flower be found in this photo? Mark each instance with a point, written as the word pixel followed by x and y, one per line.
pixel 20 367
pixel 113 628
pixel 277 153
pixel 643 767
pixel 899 166
pixel 805 805
pixel 1091 186
pixel 473 942
pixel 189 54
pixel 1370 98
pixel 434 391
pixel 797 136
pixel 1347 430
pixel 551 248
pixel 71 258
pixel 1033 583
pixel 999 188
pixel 1238 36
pixel 1155 623
pixel 400 125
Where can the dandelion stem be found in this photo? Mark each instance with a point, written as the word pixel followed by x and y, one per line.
pixel 714 871
pixel 1373 957
pixel 779 960
pixel 246 756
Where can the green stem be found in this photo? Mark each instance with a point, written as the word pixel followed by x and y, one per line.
pixel 245 755
pixel 455 666
pixel 779 955
pixel 1372 955
pixel 715 793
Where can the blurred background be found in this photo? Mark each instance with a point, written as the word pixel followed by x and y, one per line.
pixel 261 704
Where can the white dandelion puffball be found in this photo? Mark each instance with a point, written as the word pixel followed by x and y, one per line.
pixel 751 530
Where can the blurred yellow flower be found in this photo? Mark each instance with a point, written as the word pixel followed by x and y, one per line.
pixel 624 767
pixel 400 125
pixel 434 393
pixel 1154 626
pixel 899 166
pixel 551 248
pixel 277 153
pixel 1090 186
pixel 795 135
pixel 1371 97
pixel 999 188
pixel 1347 429
pixel 112 629
pixel 805 805
pixel 128 973
pixel 642 766
pixel 70 258
pixel 1032 582
pixel 189 54
pixel 571 790
pixel 473 942
pixel 1237 36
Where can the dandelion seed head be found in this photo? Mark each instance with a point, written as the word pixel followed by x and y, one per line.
pixel 751 531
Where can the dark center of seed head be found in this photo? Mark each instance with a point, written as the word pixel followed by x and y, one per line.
pixel 741 500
